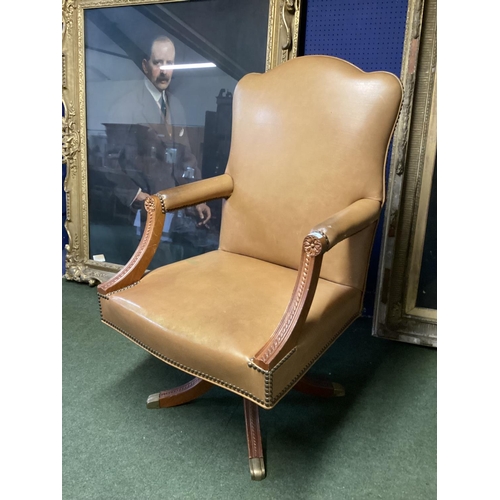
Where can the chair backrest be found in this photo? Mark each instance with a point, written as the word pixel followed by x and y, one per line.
pixel 309 138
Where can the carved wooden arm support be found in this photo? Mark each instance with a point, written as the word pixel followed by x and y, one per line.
pixel 156 207
pixel 321 238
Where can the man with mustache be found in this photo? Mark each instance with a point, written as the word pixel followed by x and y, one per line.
pixel 154 151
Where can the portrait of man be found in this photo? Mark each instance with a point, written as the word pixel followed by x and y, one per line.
pixel 156 154
pixel 147 129
pixel 158 97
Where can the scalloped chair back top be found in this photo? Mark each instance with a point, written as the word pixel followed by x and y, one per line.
pixel 317 162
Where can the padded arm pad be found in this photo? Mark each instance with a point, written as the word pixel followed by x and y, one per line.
pixel 349 221
pixel 196 192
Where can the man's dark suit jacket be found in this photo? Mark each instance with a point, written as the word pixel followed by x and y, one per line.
pixel 152 155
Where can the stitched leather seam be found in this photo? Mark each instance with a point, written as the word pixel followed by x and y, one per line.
pixel 343 284
pixel 197 373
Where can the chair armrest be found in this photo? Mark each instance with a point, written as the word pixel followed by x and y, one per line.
pixel 320 239
pixel 156 207
pixel 196 192
pixel 348 222
pixel 135 268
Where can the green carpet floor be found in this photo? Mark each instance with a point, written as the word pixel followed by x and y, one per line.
pixel 378 442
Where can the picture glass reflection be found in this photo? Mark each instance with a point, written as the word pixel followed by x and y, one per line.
pixel 159 85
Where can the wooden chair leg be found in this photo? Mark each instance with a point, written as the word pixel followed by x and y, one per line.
pixel 254 441
pixel 320 388
pixel 179 395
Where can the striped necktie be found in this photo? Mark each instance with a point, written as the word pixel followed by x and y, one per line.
pixel 163 106
pixel 164 115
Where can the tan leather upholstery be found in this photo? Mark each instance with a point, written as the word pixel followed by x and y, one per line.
pixel 309 138
pixel 210 314
pixel 305 175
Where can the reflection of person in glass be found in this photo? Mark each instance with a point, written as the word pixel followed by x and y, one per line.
pixel 154 150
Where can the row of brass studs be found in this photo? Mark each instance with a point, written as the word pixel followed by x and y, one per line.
pixel 165 210
pixel 268 383
pixel 251 364
pixel 117 291
pixel 327 241
pixel 162 203
pixel 300 374
pixel 268 375
pixel 100 306
pixel 268 388
pixel 186 368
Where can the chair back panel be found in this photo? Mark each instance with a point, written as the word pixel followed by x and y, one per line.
pixel 309 138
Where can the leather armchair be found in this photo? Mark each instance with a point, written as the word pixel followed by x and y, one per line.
pixel 303 190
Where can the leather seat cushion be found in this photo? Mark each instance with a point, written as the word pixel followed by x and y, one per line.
pixel 210 314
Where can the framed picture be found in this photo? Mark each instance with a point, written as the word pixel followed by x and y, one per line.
pixel 147 103
pixel 406 301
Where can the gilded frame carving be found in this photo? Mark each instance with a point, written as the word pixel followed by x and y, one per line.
pixel 282 44
pixel 412 165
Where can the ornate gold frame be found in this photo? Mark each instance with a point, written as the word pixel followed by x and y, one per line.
pixel 282 44
pixel 413 158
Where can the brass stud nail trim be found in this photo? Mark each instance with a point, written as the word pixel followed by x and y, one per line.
pixel 268 375
pixel 164 209
pixel 185 368
pixel 251 364
pixel 315 358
